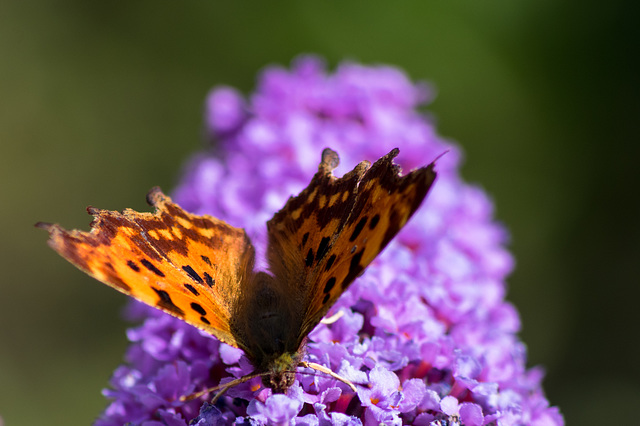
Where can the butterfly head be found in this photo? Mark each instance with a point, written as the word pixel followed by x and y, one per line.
pixel 281 373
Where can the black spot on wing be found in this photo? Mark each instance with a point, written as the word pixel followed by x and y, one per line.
pixel 206 260
pixel 322 248
pixel 131 264
pixel 305 237
pixel 193 274
pixel 210 281
pixel 191 289
pixel 204 320
pixel 358 229
pixel 166 303
pixel 326 298
pixel 309 260
pixel 150 266
pixel 354 269
pixel 329 285
pixel 395 225
pixel 199 309
pixel 374 222
pixel 330 262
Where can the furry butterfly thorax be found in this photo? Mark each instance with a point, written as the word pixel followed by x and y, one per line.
pixel 201 269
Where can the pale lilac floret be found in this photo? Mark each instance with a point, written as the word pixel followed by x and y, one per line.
pixel 425 334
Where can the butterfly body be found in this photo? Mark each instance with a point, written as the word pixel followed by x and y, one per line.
pixel 270 332
pixel 201 269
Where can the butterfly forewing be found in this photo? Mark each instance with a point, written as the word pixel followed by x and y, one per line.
pixel 325 237
pixel 188 266
pixel 305 229
pixel 384 203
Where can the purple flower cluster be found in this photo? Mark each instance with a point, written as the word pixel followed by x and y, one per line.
pixel 425 333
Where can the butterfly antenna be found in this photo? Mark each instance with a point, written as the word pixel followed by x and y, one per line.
pixel 323 369
pixel 221 388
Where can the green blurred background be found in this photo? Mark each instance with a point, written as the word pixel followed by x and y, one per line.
pixel 102 100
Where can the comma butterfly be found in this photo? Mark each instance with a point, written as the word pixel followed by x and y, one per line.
pixel 201 269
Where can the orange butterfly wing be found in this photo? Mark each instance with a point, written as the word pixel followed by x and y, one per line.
pixel 301 233
pixel 327 235
pixel 189 266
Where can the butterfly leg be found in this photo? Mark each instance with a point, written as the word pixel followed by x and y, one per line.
pixel 222 388
pixel 325 370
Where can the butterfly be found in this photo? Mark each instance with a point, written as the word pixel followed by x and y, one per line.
pixel 201 269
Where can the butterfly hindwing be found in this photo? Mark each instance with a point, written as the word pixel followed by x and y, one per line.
pixel 189 266
pixel 326 236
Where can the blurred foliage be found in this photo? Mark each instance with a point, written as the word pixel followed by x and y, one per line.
pixel 103 100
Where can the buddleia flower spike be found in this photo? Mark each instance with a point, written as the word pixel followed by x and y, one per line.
pixel 425 333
